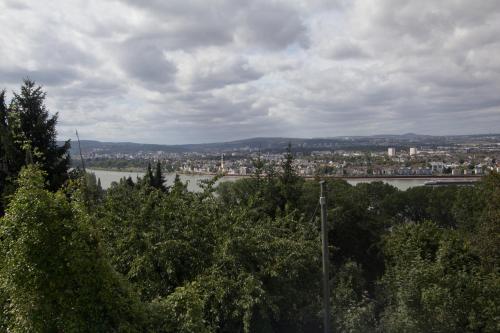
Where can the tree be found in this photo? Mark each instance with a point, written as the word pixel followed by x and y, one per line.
pixel 158 178
pixel 34 134
pixel 178 187
pixel 148 177
pixel 54 276
pixel 5 151
pixel 352 309
pixel 289 181
pixel 434 282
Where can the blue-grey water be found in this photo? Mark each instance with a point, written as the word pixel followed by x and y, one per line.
pixel 107 177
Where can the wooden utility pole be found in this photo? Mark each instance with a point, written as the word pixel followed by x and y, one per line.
pixel 326 258
pixel 80 148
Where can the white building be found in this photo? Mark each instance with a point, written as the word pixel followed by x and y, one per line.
pixel 437 167
pixel 413 151
pixel 391 152
pixel 222 163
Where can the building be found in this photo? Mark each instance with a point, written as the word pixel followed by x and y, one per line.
pixel 222 163
pixel 437 167
pixel 423 171
pixel 404 171
pixel 391 152
pixel 413 151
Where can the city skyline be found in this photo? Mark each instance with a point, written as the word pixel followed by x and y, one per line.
pixel 181 72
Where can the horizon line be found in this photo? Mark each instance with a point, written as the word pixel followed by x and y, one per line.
pixel 287 138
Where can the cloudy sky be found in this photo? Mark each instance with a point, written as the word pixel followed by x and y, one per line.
pixel 188 71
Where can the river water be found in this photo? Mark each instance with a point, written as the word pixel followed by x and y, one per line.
pixel 107 177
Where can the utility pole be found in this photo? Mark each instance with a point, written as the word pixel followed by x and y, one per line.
pixel 326 263
pixel 80 148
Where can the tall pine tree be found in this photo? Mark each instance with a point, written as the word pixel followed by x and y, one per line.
pixel 34 133
pixel 148 177
pixel 290 182
pixel 5 145
pixel 158 179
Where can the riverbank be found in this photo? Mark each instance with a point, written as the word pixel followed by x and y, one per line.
pixel 368 177
pixel 108 177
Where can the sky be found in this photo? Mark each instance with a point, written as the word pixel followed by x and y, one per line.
pixel 193 71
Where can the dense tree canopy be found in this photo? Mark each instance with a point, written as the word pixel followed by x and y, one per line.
pixel 53 274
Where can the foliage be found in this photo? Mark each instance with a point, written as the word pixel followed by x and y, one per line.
pixel 352 308
pixel 34 132
pixel 434 283
pixel 28 135
pixel 53 274
pixel 5 152
pixel 240 271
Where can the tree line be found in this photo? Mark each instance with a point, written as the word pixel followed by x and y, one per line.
pixel 241 256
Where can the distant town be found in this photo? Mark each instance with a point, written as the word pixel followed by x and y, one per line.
pixel 408 155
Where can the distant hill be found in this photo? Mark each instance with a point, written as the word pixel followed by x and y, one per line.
pixel 278 144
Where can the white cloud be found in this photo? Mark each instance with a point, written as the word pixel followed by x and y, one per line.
pixel 192 71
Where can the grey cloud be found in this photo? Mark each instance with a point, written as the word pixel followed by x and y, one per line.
pixel 46 76
pixel 273 25
pixel 56 52
pixel 346 50
pixel 185 35
pixel 145 61
pixel 268 24
pixel 232 73
pixel 97 86
pixel 16 4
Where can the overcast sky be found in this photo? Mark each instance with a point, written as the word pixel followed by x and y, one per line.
pixel 189 71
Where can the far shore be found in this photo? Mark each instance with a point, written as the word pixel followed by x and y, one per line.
pixel 381 177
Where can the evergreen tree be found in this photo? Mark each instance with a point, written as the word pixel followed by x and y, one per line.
pixel 178 187
pixel 289 181
pixel 148 177
pixel 129 181
pixel 4 165
pixel 34 134
pixel 158 179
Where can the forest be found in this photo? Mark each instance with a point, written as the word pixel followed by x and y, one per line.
pixel 241 256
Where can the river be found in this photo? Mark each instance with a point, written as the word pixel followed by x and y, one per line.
pixel 107 177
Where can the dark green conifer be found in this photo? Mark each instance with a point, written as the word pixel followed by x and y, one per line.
pixel 289 181
pixel 158 179
pixel 4 147
pixel 148 177
pixel 32 128
pixel 129 181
